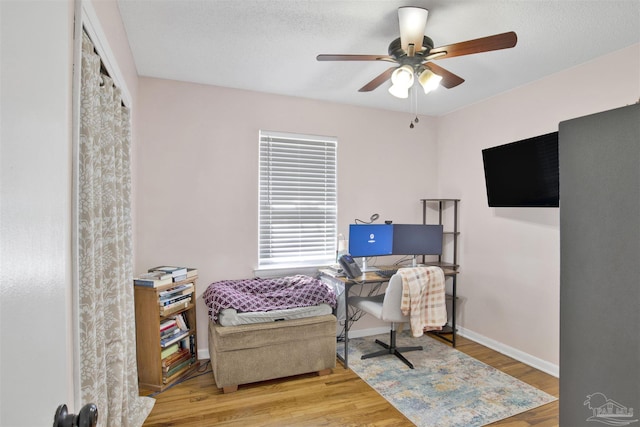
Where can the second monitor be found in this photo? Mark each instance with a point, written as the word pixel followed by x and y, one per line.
pixel 417 239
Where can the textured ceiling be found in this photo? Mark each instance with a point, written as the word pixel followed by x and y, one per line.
pixel 271 45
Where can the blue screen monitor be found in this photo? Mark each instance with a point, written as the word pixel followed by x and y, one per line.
pixel 370 240
pixel 417 239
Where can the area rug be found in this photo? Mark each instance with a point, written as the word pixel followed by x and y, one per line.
pixel 447 388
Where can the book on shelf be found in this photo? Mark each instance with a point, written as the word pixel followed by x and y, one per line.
pixel 175 359
pixel 177 290
pixel 175 296
pixel 172 358
pixel 174 271
pixel 178 367
pixel 164 335
pixel 153 279
pixel 173 299
pixel 189 342
pixel 191 272
pixel 181 322
pixel 177 372
pixel 168 309
pixel 168 351
pixel 167 324
pixel 173 339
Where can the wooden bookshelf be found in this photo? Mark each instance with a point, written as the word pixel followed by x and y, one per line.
pixel 148 337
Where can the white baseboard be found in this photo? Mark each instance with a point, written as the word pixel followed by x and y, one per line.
pixel 203 353
pixel 519 355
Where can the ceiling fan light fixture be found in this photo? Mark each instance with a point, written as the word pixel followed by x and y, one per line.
pixel 402 80
pixel 413 22
pixel 402 76
pixel 416 50
pixel 429 80
pixel 399 91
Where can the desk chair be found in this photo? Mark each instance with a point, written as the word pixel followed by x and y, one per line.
pixel 386 307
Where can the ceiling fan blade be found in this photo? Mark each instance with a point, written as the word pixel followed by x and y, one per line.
pixel 338 57
pixel 449 79
pixel 484 44
pixel 413 22
pixel 373 84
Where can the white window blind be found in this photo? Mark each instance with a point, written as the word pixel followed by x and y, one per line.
pixel 298 200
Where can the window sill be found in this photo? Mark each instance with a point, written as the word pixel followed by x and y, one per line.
pixel 280 271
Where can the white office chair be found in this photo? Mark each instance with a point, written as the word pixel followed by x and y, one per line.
pixel 386 307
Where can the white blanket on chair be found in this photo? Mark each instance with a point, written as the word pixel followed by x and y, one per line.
pixel 423 298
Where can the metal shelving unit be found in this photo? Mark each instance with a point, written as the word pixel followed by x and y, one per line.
pixel 450 236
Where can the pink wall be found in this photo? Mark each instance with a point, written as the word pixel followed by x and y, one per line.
pixel 196 181
pixel 196 186
pixel 510 257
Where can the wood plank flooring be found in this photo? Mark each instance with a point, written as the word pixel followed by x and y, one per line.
pixel 339 399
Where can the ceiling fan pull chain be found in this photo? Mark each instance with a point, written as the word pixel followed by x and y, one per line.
pixel 415 89
pixel 411 96
pixel 414 102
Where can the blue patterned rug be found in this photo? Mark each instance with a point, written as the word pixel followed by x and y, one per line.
pixel 447 388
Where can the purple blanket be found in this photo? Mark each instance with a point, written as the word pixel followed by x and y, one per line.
pixel 279 293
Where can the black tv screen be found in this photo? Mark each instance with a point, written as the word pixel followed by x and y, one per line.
pixel 523 173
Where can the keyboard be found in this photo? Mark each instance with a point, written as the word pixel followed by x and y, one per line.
pixel 386 273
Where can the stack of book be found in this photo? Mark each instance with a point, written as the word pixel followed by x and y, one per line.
pixel 178 350
pixel 171 333
pixel 175 298
pixel 153 279
pixel 164 275
pixel 178 274
pixel 176 358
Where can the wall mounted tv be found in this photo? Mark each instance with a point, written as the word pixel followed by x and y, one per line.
pixel 523 173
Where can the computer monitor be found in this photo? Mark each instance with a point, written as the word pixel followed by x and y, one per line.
pixel 370 239
pixel 417 239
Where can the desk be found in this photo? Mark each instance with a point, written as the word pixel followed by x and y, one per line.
pixel 373 278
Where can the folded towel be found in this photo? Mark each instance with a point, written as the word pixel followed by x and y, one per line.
pixel 423 298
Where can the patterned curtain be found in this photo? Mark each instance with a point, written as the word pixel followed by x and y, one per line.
pixel 108 370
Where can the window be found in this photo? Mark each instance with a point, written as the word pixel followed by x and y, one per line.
pixel 298 200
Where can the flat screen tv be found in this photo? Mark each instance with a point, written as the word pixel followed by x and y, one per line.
pixel 417 239
pixel 523 173
pixel 370 239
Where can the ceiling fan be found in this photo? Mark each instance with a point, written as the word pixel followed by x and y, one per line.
pixel 413 52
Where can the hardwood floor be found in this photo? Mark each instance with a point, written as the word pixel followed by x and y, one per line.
pixel 338 399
